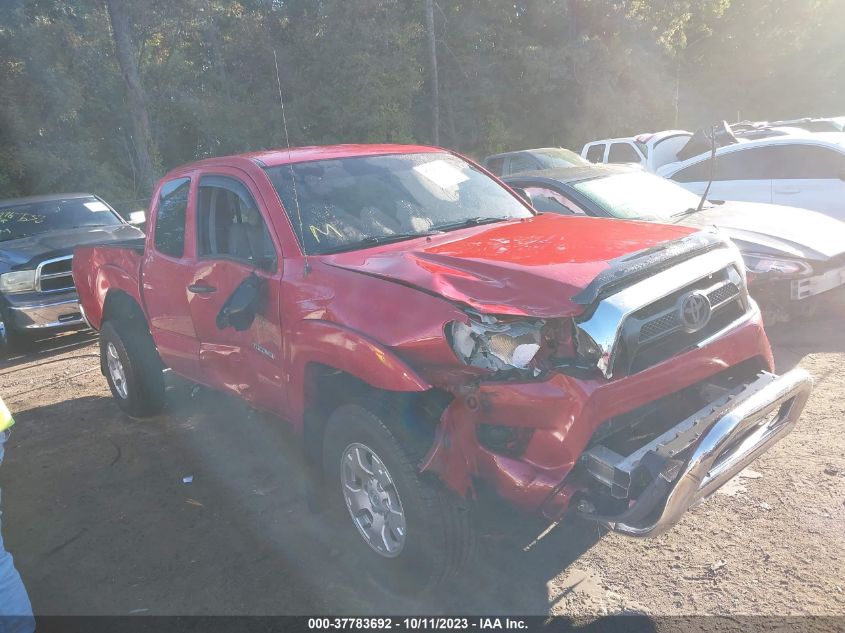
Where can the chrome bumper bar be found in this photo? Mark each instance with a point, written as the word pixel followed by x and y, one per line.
pixel 719 441
pixel 46 315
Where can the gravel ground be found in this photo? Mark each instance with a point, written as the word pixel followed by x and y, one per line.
pixel 100 521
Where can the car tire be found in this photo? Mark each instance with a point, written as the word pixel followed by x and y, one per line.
pixel 132 368
pixel 437 541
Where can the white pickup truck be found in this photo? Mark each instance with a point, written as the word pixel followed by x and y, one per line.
pixel 651 150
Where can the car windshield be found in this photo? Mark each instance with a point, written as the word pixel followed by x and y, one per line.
pixel 349 203
pixel 34 218
pixel 638 196
pixel 559 157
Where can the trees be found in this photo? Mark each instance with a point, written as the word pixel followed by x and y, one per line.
pixel 103 95
pixel 434 82
pixel 143 146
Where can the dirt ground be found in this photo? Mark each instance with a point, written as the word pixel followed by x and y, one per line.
pixel 100 521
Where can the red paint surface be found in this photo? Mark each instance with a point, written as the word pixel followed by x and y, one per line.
pixel 527 267
pixel 380 313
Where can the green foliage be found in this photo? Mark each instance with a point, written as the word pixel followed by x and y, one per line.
pixel 513 74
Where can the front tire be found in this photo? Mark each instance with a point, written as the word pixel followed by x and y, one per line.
pixel 132 368
pixel 409 533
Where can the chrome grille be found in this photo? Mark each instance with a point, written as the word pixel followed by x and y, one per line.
pixel 665 310
pixel 667 320
pixel 54 275
pixel 657 332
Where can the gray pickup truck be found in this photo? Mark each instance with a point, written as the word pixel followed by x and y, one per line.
pixel 37 238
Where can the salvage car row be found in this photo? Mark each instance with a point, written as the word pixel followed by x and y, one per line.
pixel 440 344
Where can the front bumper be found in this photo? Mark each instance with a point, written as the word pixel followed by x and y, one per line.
pixel 564 413
pixel 811 286
pixel 717 441
pixel 44 312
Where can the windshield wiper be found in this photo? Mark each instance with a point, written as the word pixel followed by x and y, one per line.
pixel 690 211
pixel 477 221
pixel 373 240
pixel 395 237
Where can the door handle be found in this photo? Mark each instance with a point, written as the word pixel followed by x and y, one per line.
pixel 787 190
pixel 201 288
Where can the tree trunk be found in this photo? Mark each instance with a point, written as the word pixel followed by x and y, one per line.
pixel 143 144
pixel 432 58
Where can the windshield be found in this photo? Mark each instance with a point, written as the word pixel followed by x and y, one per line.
pixel 558 157
pixel 26 220
pixel 355 202
pixel 638 196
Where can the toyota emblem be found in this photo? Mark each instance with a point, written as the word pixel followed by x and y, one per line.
pixel 694 311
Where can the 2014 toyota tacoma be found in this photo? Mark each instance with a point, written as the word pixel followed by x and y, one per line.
pixel 438 342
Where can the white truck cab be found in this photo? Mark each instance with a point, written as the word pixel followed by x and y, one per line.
pixel 651 151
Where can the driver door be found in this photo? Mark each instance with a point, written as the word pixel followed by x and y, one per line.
pixel 233 243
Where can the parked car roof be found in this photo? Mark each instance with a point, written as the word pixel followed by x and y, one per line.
pixel 574 174
pixel 531 149
pixel 803 138
pixel 53 197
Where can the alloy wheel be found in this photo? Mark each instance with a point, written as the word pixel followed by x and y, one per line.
pixel 116 371
pixel 372 500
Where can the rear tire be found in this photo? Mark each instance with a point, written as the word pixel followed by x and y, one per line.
pixel 431 541
pixel 132 368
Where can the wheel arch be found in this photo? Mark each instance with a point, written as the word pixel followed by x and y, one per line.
pixel 119 304
pixel 326 387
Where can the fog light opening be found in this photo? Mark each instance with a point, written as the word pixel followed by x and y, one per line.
pixel 504 440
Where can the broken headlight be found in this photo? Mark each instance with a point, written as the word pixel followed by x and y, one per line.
pixel 498 344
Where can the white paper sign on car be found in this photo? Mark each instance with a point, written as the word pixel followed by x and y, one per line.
pixel 442 173
pixel 96 206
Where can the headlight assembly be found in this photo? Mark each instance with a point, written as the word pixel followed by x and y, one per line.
pixel 499 344
pixel 764 264
pixel 18 281
pixel 496 345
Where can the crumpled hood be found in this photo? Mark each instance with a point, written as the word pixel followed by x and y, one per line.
pixel 531 267
pixel 14 253
pixel 774 229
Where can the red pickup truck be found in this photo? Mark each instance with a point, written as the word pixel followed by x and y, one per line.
pixel 439 343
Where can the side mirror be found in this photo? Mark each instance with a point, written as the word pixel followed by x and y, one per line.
pixel 241 307
pixel 138 217
pixel 524 195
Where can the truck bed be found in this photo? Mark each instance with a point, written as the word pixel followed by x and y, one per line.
pixel 102 268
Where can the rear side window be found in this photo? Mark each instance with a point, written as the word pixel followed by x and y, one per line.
pixel 595 153
pixel 623 153
pixel 806 162
pixel 523 162
pixel 745 164
pixel 170 217
pixel 496 165
pixel 697 172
